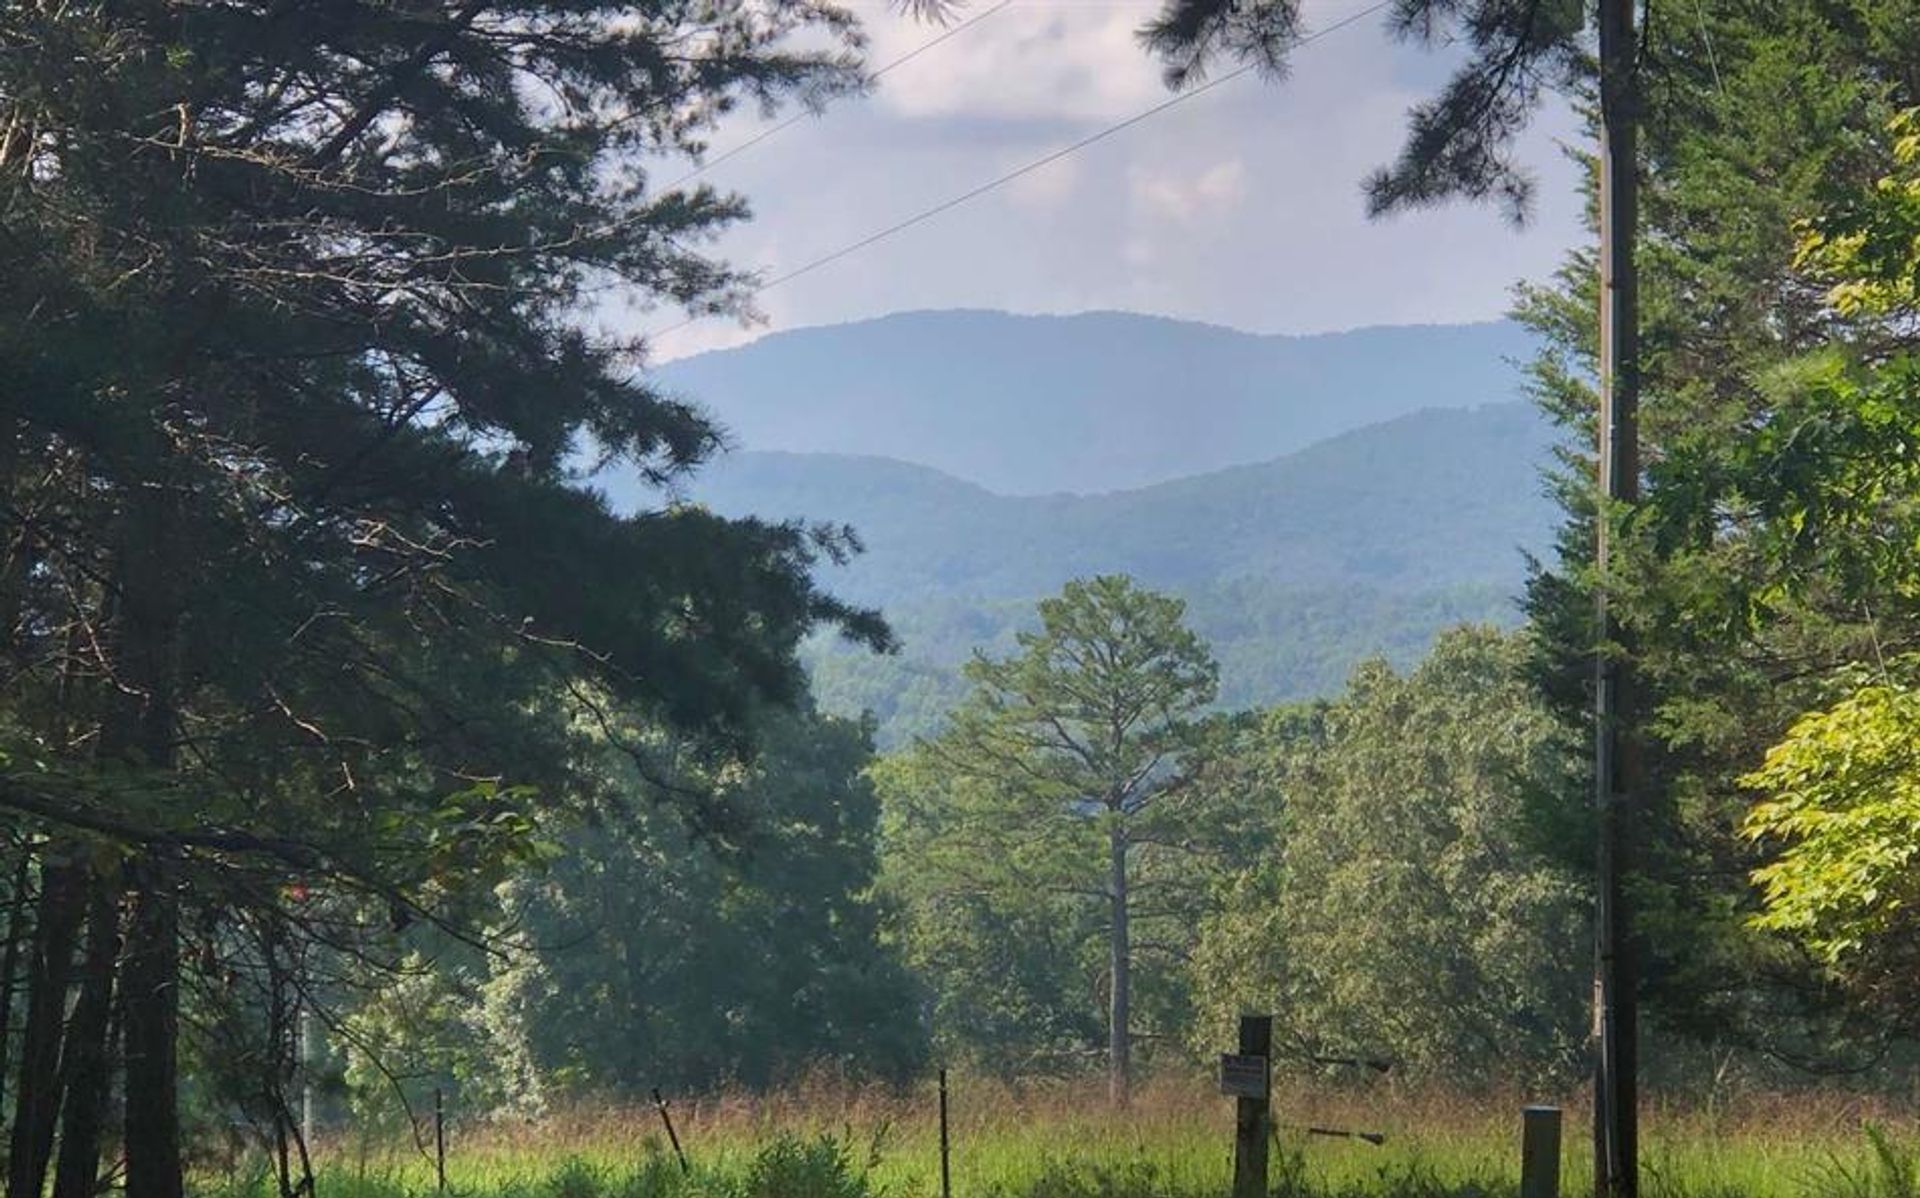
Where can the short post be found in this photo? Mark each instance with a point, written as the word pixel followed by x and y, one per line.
pixel 673 1137
pixel 946 1172
pixel 440 1137
pixel 1248 1076
pixel 1540 1152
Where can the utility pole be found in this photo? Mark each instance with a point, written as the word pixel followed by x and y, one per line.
pixel 1617 775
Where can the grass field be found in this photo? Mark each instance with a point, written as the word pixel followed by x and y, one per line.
pixel 1060 1140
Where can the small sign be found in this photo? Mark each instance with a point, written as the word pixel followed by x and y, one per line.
pixel 1243 1076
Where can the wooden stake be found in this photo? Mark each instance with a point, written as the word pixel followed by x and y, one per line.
pixel 946 1173
pixel 673 1137
pixel 1251 1119
pixel 1540 1152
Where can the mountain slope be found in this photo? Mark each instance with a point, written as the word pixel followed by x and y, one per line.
pixel 1105 401
pixel 1294 569
pixel 1423 502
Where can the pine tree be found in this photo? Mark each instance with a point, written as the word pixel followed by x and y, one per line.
pixel 1460 143
pixel 1069 774
pixel 299 583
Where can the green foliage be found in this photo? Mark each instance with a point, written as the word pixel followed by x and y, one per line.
pixel 292 326
pixel 1867 245
pixel 1842 806
pixel 739 944
pixel 1400 913
pixel 1891 1170
pixel 1062 1178
pixel 823 1167
pixel 1836 484
pixel 653 955
pixel 786 1166
pixel 1748 579
pixel 421 1032
pixel 1060 817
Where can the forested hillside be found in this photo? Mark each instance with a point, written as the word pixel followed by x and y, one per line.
pixel 1294 569
pixel 374 787
pixel 1429 500
pixel 1102 401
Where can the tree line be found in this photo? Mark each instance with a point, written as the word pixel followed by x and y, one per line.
pixel 348 739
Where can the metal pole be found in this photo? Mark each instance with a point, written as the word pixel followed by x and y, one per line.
pixel 440 1137
pixel 946 1174
pixel 1616 765
pixel 673 1137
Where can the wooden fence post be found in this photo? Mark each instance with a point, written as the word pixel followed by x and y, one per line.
pixel 1540 1152
pixel 946 1174
pixel 440 1137
pixel 1248 1076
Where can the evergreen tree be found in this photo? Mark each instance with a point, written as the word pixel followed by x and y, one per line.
pixel 298 588
pixel 1734 639
pixel 1063 796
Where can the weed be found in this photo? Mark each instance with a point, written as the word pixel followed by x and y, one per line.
pixel 821 1167
pixel 1052 1140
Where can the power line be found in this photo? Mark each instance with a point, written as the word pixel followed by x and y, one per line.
pixel 803 114
pixel 994 184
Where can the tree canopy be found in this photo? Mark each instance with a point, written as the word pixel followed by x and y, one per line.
pixel 300 589
pixel 1063 798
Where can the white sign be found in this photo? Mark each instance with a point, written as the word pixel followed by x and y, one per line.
pixel 1243 1076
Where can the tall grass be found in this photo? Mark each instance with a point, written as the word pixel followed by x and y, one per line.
pixel 1059 1139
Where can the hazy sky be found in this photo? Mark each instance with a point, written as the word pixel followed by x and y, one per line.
pixel 1241 207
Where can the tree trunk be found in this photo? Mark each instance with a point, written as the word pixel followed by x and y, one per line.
pixel 1119 1038
pixel 150 1006
pixel 37 1098
pixel 86 1065
pixel 141 732
pixel 10 958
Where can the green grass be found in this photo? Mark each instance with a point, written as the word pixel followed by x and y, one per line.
pixel 1061 1141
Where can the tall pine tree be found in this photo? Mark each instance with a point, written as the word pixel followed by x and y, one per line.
pixel 299 589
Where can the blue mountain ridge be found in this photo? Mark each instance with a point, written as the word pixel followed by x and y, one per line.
pixel 1405 496
pixel 1102 401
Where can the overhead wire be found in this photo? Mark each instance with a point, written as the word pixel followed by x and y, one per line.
pixel 803 114
pixel 1045 160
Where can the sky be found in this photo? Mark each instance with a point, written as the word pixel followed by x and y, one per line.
pixel 1240 207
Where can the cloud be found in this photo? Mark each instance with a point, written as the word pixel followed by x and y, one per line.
pixel 1190 199
pixel 1025 61
pixel 1240 207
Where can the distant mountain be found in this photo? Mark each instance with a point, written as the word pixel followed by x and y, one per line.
pixel 1106 401
pixel 1420 503
pixel 1367 543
